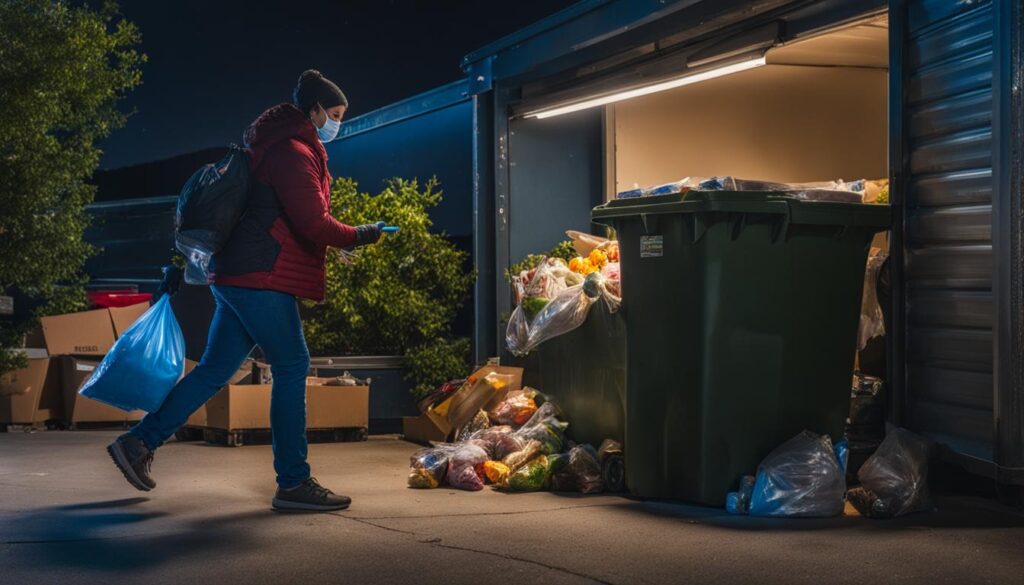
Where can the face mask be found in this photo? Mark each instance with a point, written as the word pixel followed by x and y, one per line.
pixel 329 131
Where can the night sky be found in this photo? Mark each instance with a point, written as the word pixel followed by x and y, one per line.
pixel 214 65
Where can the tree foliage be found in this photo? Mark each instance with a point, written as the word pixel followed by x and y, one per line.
pixel 63 69
pixel 397 297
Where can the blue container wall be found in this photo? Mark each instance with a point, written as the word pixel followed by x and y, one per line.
pixel 438 144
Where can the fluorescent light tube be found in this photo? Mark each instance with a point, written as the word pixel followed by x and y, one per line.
pixel 649 89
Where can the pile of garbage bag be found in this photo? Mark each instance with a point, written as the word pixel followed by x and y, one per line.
pixel 518 446
pixel 805 478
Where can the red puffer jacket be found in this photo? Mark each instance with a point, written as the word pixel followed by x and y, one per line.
pixel 281 241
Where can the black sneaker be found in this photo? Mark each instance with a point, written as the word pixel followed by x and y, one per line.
pixel 310 495
pixel 134 459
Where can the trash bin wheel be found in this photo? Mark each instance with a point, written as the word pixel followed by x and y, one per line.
pixel 613 471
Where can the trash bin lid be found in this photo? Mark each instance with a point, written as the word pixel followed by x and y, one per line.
pixel 799 211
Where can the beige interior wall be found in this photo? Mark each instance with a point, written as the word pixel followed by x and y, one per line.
pixel 776 123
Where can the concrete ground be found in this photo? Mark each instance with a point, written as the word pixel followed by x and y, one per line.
pixel 67 516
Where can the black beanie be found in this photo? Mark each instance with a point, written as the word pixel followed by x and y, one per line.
pixel 314 88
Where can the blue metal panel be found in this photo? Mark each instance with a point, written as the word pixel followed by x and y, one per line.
pixel 947 144
pixel 556 178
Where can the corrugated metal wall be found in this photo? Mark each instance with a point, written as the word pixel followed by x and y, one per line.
pixel 947 191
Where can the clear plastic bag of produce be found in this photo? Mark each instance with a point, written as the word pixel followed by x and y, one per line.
pixel 143 365
pixel 872 322
pixel 560 315
pixel 800 479
pixel 479 422
pixel 466 467
pixel 428 467
pixel 498 441
pixel 894 480
pixel 516 409
pixel 515 460
pixel 578 471
pixel 545 428
pixel 532 476
pixel 545 282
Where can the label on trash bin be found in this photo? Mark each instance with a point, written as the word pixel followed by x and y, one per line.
pixel 652 246
pixel 85 367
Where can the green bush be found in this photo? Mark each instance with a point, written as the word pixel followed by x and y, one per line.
pixel 63 68
pixel 563 250
pixel 400 296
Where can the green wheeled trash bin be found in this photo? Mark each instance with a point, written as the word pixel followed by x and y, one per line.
pixel 741 313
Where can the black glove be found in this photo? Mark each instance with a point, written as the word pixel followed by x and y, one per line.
pixel 368 233
pixel 171 282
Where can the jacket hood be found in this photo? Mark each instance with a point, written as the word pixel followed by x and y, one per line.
pixel 281 122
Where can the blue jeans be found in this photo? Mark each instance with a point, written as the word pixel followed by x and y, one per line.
pixel 243 319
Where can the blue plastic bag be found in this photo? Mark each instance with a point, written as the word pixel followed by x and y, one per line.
pixel 144 364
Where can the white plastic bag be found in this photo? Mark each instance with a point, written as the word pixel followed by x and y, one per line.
pixel 872 323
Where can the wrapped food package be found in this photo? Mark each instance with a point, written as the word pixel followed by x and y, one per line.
pixel 465 468
pixel 517 459
pixel 498 441
pixel 545 428
pixel 531 477
pixel 478 423
pixel 496 472
pixel 581 471
pixel 428 467
pixel 516 409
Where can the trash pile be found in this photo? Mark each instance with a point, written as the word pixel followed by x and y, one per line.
pixel 860 191
pixel 555 297
pixel 518 445
pixel 805 478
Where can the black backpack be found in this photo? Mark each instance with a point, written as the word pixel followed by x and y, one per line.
pixel 209 206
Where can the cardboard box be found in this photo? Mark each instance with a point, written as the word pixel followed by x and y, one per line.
pixel 197 418
pixel 86 333
pixel 32 394
pixel 428 427
pixel 79 409
pixel 244 375
pixel 440 422
pixel 247 406
pixel 124 317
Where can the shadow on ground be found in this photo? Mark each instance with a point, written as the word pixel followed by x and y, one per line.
pixel 120 535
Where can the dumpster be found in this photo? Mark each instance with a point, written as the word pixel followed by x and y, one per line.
pixel 741 313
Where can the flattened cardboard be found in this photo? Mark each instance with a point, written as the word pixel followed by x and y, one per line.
pixel 87 333
pixel 438 424
pixel 32 394
pixel 80 409
pixel 476 394
pixel 247 406
pixel 426 428
pixel 124 317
